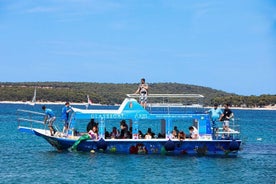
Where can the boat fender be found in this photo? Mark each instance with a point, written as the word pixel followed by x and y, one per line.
pixel 169 145
pixel 234 146
pixel 101 144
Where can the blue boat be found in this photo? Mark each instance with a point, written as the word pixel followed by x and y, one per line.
pixel 162 117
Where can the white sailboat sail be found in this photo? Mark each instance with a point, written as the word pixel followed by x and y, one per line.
pixel 89 102
pixel 34 99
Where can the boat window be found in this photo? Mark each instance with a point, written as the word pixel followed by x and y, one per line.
pixel 152 125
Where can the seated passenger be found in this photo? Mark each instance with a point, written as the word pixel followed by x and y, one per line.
pixel 106 134
pixel 124 129
pixel 115 133
pixel 181 135
pixel 193 132
pixel 140 134
pixel 148 135
pixel 176 130
pixel 161 136
pixel 92 134
pixel 174 134
pixel 150 132
pixel 129 133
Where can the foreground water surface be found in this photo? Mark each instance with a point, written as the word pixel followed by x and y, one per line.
pixel 27 158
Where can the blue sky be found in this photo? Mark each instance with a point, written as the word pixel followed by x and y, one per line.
pixel 225 45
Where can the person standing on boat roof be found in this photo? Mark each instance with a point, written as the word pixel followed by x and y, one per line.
pixel 215 113
pixel 65 116
pixel 143 90
pixel 49 119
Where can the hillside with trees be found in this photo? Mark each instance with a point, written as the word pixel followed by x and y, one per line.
pixel 110 93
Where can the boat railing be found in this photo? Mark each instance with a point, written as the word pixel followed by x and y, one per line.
pixel 233 132
pixel 173 103
pixel 30 119
pixel 168 95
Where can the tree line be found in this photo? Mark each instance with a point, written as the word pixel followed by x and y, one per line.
pixel 110 93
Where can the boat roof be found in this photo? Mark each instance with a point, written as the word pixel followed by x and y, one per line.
pixel 130 109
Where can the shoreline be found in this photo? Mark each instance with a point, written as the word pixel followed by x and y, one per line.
pixel 73 103
pixel 270 108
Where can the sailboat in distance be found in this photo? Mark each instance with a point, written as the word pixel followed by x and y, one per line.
pixel 33 100
pixel 89 102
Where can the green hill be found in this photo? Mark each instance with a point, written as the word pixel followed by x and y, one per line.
pixel 110 93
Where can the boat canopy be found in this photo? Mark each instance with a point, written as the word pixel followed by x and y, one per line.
pixel 129 109
pixel 132 110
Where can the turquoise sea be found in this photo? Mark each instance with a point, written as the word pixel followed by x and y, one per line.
pixel 27 158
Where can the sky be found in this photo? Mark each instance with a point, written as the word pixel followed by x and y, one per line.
pixel 225 45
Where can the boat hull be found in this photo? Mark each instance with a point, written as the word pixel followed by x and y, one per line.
pixel 227 148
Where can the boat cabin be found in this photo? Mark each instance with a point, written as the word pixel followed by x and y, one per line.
pixel 161 119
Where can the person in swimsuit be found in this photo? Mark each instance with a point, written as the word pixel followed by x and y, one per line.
pixel 92 134
pixel 143 90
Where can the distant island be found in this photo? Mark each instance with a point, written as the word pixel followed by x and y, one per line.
pixel 110 93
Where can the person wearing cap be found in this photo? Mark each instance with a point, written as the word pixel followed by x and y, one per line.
pixel 215 114
pixel 49 119
pixel 65 116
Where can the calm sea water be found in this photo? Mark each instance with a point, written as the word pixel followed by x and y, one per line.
pixel 26 158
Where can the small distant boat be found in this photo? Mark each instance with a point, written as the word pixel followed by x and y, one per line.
pixel 161 120
pixel 33 100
